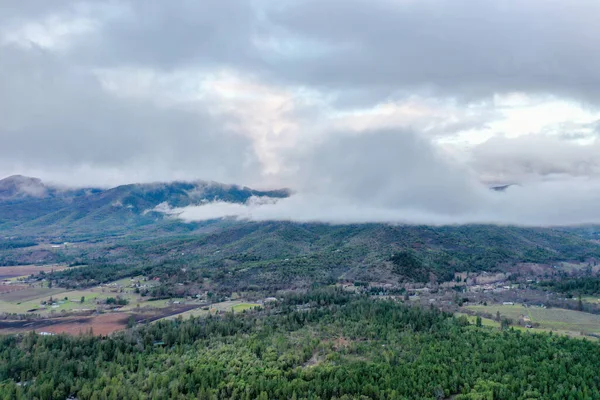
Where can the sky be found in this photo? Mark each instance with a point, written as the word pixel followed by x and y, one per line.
pixel 378 110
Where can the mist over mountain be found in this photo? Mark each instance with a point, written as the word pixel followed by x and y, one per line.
pixel 29 206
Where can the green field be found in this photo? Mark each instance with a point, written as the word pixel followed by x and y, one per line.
pixel 235 306
pixel 243 307
pixel 484 321
pixel 554 319
pixel 71 303
pixel 24 301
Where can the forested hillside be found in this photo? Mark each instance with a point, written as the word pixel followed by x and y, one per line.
pixel 320 345
pixel 239 256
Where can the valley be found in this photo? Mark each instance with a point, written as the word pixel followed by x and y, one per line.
pixel 279 309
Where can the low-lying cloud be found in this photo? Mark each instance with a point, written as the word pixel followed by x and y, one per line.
pixel 344 180
pixel 543 204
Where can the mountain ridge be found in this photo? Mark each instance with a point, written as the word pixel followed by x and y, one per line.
pixel 29 206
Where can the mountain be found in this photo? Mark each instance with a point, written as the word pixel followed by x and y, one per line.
pixel 19 187
pixel 30 207
pixel 118 226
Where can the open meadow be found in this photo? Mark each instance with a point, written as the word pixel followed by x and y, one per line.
pixel 235 306
pixel 570 322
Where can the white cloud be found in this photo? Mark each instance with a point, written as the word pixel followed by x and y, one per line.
pixel 371 110
pixel 555 203
pixel 396 177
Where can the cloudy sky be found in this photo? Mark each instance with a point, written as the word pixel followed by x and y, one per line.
pixel 399 109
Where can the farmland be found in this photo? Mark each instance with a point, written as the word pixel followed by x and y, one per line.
pixel 235 306
pixel 571 322
pixel 101 309
pixel 96 323
pixel 26 270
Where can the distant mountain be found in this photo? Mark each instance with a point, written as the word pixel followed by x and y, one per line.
pixel 18 187
pixel 501 188
pixel 119 226
pixel 30 207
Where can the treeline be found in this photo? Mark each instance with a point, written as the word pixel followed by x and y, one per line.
pixel 321 345
pixel 577 286
pixel 16 244
pixel 95 274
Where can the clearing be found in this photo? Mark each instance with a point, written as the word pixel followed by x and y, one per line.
pixel 561 320
pixel 28 270
pixel 224 306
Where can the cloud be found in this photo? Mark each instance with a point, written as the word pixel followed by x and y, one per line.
pixel 396 177
pixel 359 52
pixel 387 168
pixel 55 117
pixel 542 204
pixel 466 48
pixel 177 34
pixel 372 110
pixel 530 158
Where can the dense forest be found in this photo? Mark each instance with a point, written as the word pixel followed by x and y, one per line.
pixel 271 256
pixel 581 286
pixel 325 344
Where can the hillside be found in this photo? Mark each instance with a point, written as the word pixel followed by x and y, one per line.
pixel 116 231
pixel 231 256
pixel 30 207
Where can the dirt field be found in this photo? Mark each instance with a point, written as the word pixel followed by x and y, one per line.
pixel 26 294
pixel 26 270
pixel 4 289
pixel 102 324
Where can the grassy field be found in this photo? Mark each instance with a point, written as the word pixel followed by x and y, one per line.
pixel 69 300
pixel 553 319
pixel 30 299
pixel 484 321
pixel 29 293
pixel 225 306
pixel 591 299
pixel 243 307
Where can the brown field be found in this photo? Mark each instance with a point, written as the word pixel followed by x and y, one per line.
pixel 18 293
pixel 26 270
pixel 12 288
pixel 103 324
